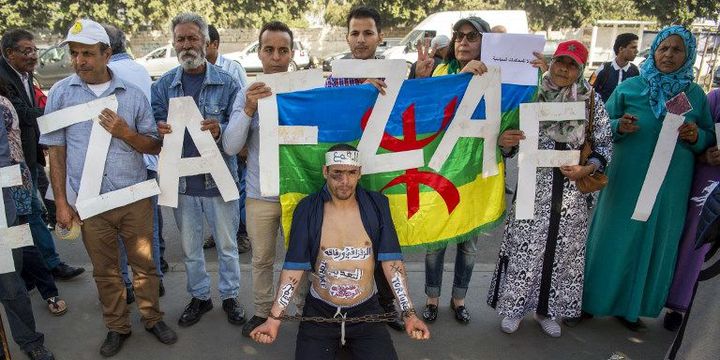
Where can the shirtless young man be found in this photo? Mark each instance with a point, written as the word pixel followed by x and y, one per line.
pixel 339 233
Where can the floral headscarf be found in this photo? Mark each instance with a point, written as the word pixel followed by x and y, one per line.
pixel 664 86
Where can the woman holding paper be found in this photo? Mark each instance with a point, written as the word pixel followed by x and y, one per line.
pixel 630 253
pixel 690 259
pixel 541 261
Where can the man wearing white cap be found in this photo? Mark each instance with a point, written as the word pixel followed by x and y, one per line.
pixel 133 132
pixel 439 46
pixel 339 234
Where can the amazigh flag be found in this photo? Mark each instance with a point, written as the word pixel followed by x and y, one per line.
pixel 430 209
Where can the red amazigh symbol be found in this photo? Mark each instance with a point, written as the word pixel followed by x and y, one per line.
pixel 414 177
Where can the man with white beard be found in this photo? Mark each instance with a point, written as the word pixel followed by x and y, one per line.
pixel 214 93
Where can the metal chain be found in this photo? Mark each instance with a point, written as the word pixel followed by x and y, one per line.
pixel 372 318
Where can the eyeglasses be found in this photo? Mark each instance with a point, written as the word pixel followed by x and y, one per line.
pixel 472 36
pixel 27 51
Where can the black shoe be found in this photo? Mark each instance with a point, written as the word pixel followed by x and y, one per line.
pixel 65 272
pixel 573 321
pixel 397 323
pixel 130 298
pixel 163 333
pixel 113 343
pixel 235 311
pixel 40 353
pixel 254 322
pixel 637 326
pixel 462 315
pixel 673 320
pixel 164 266
pixel 194 311
pixel 209 242
pixel 243 243
pixel 430 313
pixel 161 291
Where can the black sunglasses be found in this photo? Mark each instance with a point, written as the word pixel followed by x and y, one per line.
pixel 472 36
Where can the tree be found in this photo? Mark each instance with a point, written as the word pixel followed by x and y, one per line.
pixel 681 12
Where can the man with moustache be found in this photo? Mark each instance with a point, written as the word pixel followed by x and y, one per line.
pixel 364 35
pixel 263 213
pixel 214 92
pixel 133 133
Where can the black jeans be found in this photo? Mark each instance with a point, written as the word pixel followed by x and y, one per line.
pixel 18 308
pixel 316 341
pixel 34 271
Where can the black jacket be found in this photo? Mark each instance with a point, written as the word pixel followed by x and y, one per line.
pixel 27 111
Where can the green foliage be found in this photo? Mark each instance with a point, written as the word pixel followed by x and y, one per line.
pixel 135 15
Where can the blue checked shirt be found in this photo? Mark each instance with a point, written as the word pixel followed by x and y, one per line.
pixel 124 166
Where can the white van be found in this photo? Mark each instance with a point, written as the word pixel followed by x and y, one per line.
pixel 441 23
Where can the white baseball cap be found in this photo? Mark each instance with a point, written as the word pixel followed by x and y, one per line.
pixel 88 32
pixel 440 42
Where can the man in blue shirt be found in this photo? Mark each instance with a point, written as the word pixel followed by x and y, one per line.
pixel 124 67
pixel 214 92
pixel 341 234
pixel 133 133
pixel 238 73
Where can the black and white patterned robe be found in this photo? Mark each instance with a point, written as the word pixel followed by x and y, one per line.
pixel 541 261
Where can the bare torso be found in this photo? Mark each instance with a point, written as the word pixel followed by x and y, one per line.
pixel 345 263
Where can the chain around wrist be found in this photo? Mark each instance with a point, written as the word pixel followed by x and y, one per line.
pixel 279 317
pixel 408 313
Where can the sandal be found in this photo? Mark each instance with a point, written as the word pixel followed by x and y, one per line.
pixel 57 306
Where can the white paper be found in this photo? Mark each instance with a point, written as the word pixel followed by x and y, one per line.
pixel 75 114
pixel 530 158
pixel 659 164
pixel 394 72
pixel 513 54
pixel 488 86
pixel 271 134
pixel 184 114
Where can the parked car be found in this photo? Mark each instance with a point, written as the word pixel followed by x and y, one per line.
pixel 159 61
pixel 248 57
pixel 53 65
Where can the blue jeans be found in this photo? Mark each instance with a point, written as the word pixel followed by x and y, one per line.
pixel 464 264
pixel 158 246
pixel 18 307
pixel 223 218
pixel 41 235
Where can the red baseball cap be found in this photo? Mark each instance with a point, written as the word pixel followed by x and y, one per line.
pixel 574 49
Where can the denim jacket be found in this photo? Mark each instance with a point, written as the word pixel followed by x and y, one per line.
pixel 217 96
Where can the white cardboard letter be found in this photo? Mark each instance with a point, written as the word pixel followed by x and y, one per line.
pixel 394 72
pixel 11 237
pixel 530 158
pixel 89 200
pixel 184 114
pixel 272 135
pixel 487 85
pixel 659 164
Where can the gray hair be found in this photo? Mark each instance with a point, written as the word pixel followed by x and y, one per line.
pixel 196 19
pixel 117 38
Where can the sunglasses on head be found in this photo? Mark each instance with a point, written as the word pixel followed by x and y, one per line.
pixel 470 36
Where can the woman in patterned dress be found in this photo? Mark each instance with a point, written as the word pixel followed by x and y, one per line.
pixel 541 262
